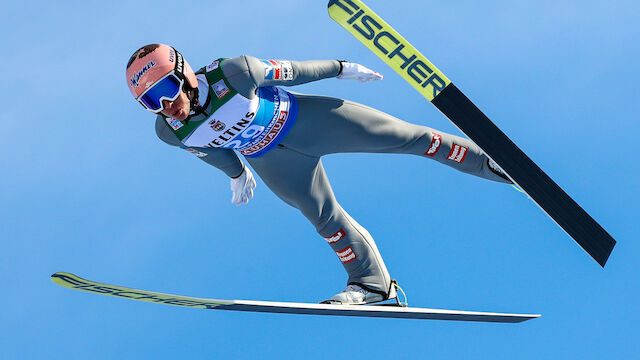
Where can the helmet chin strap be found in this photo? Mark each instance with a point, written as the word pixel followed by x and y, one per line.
pixel 192 95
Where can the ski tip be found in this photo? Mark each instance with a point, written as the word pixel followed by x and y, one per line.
pixel 56 276
pixel 61 278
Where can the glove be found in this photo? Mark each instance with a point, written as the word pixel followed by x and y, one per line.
pixel 358 72
pixel 242 187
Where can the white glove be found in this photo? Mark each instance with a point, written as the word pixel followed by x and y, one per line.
pixel 242 187
pixel 358 72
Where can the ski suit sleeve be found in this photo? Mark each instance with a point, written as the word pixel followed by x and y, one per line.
pixel 247 73
pixel 224 159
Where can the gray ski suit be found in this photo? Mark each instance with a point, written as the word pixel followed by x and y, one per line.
pixel 293 170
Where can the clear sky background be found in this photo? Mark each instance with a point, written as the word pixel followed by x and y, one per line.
pixel 88 188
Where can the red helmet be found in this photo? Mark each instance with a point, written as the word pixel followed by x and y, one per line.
pixel 151 63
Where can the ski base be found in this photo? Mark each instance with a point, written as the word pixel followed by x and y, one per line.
pixel 72 281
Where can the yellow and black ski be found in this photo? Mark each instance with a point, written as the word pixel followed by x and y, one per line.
pixel 402 57
pixel 72 281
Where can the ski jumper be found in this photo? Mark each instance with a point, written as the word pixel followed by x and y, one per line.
pixel 283 136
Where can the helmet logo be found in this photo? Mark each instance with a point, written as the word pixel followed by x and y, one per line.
pixel 135 79
pixel 179 67
pixel 146 50
pixel 142 52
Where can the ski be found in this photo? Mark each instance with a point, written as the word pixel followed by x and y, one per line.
pixel 402 57
pixel 74 282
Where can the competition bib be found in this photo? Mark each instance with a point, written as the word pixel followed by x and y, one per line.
pixel 232 121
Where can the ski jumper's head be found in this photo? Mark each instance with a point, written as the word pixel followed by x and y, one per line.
pixel 162 81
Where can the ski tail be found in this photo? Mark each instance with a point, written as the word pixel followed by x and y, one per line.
pixel 523 171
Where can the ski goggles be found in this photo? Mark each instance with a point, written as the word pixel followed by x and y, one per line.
pixel 168 88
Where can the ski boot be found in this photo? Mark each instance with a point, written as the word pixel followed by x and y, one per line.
pixel 357 295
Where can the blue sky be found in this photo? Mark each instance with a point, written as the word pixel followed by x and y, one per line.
pixel 89 189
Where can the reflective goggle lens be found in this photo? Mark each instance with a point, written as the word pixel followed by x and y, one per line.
pixel 167 88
